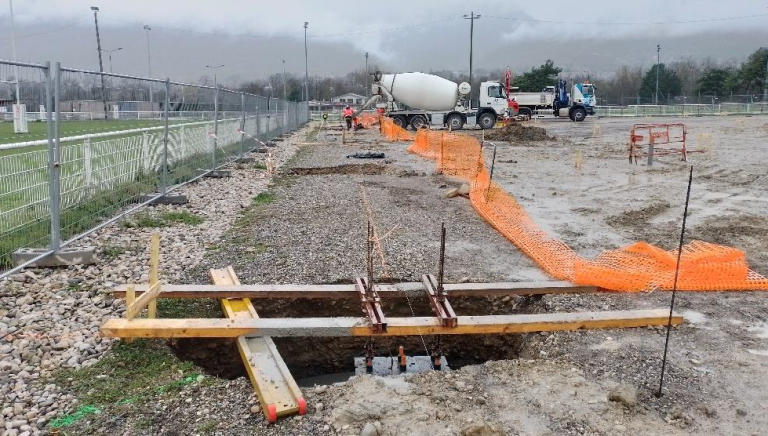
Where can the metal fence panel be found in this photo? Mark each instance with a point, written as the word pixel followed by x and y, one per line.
pixel 25 213
pixel 113 148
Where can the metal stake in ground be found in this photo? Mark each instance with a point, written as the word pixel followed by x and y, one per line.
pixel 674 286
pixel 442 262
pixel 369 257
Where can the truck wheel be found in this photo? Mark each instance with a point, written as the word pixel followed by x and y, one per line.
pixel 578 114
pixel 455 121
pixel 399 121
pixel 525 111
pixel 418 121
pixel 487 121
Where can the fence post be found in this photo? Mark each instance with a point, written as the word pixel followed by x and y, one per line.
pixel 650 149
pixel 145 161
pixel 182 134
pixel 164 177
pixel 215 125
pixel 54 158
pixel 258 121
pixel 242 125
pixel 87 164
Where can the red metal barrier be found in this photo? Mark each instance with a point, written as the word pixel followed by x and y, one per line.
pixel 649 140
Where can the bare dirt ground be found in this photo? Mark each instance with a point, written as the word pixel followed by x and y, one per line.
pixel 311 229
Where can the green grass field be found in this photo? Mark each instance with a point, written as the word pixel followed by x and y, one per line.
pixel 39 131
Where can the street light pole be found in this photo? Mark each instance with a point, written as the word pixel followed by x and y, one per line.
pixel 765 84
pixel 101 64
pixel 149 64
pixel 306 64
pixel 367 89
pixel 13 43
pixel 285 94
pixel 658 67
pixel 110 56
pixel 471 17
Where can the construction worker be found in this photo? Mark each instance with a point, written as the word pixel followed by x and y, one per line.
pixel 347 113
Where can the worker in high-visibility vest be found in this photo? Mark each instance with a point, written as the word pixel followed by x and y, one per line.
pixel 347 113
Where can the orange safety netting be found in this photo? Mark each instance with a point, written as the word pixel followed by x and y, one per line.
pixel 393 132
pixel 640 266
pixel 368 119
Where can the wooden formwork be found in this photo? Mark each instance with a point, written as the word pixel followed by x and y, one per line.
pixel 277 391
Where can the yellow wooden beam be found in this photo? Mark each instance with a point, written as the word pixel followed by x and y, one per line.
pixel 273 383
pixel 308 327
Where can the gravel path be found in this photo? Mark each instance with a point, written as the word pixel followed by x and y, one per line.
pixel 49 318
pixel 314 231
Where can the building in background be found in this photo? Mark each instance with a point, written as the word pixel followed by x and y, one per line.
pixel 337 103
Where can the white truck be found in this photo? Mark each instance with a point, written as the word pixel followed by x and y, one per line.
pixel 417 99
pixel 576 104
pixel 533 102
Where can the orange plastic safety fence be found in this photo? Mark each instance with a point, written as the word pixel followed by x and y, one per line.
pixel 640 266
pixel 393 132
pixel 368 119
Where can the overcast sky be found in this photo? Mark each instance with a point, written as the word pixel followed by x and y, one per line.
pixel 252 38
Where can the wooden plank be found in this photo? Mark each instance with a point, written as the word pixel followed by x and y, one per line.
pixel 273 383
pixel 311 327
pixel 348 290
pixel 143 301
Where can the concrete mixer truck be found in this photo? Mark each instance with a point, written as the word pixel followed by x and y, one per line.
pixel 418 99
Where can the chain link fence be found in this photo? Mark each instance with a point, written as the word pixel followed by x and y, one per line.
pixel 98 148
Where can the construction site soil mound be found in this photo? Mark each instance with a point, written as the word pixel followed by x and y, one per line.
pixel 519 133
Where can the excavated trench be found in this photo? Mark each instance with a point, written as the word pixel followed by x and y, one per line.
pixel 311 357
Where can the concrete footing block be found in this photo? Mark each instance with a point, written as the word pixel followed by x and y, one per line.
pixel 166 199
pixel 245 160
pixel 219 174
pixel 64 257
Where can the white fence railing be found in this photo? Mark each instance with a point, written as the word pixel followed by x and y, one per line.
pixel 683 110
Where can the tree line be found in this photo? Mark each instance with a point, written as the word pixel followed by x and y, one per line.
pixel 707 79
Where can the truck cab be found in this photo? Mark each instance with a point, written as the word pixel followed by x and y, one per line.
pixel 494 103
pixel 590 99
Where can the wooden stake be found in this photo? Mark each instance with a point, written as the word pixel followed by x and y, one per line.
pixel 154 272
pixel 130 297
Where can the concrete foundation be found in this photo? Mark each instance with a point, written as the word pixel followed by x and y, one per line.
pixel 245 160
pixel 166 199
pixel 216 174
pixel 65 257
pixel 219 174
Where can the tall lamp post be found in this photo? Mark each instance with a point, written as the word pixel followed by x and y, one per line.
pixel 13 44
pixel 95 10
pixel 658 66
pixel 285 94
pixel 367 89
pixel 149 65
pixel 306 64
pixel 110 56
pixel 471 17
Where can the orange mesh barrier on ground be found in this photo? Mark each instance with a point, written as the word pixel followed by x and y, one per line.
pixel 368 119
pixel 637 267
pixel 394 132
